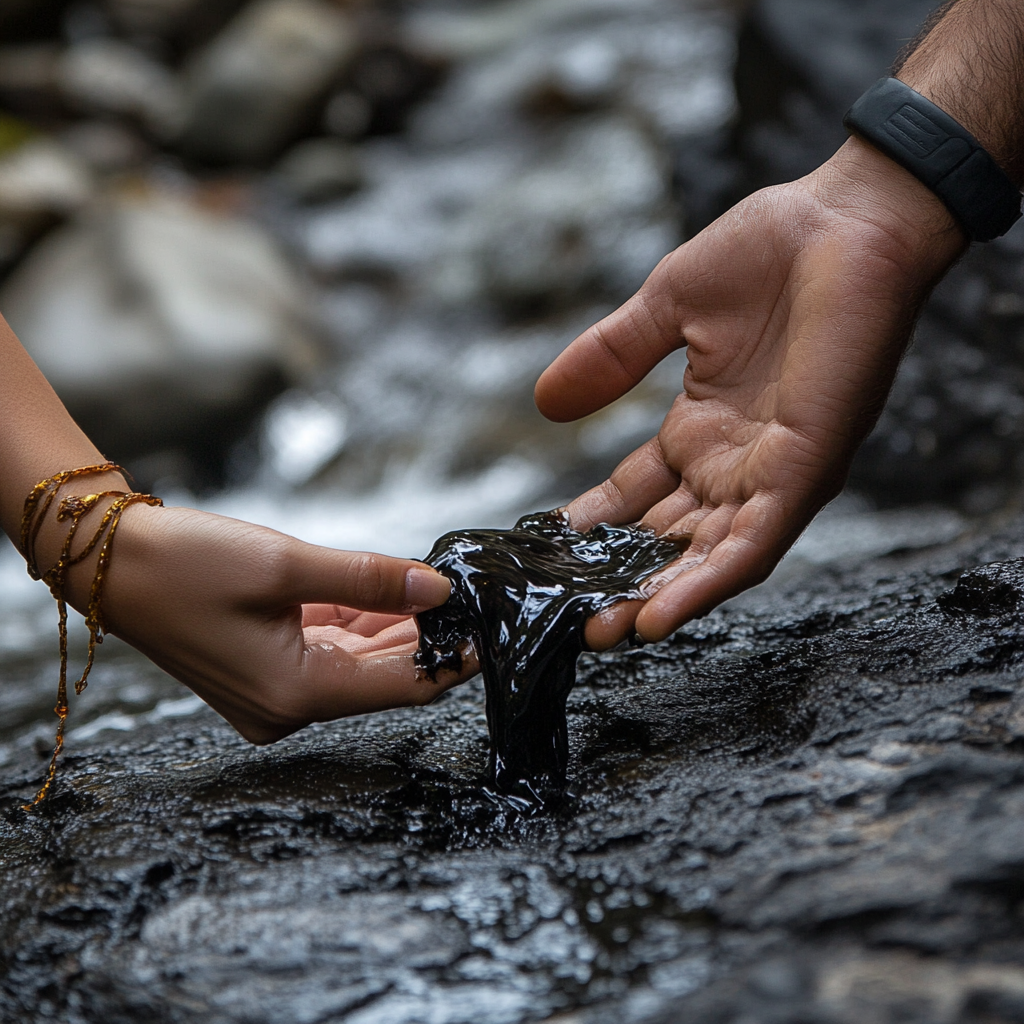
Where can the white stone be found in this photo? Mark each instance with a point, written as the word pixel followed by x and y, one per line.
pixel 110 77
pixel 43 177
pixel 255 82
pixel 159 312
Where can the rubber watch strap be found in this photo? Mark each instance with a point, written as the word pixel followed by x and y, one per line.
pixel 939 152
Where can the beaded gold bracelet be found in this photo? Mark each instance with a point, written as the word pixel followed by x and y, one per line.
pixel 74 508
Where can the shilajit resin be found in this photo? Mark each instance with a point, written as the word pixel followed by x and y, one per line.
pixel 521 598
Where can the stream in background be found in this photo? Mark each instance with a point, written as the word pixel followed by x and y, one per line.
pixel 331 324
pixel 411 285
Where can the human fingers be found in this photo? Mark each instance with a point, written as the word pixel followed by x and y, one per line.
pixel 641 480
pixel 372 623
pixel 611 357
pixel 701 531
pixel 732 549
pixel 337 682
pixel 611 626
pixel 389 639
pixel 352 619
pixel 359 579
pixel 327 615
pixel 677 516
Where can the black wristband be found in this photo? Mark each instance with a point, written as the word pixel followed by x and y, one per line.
pixel 939 152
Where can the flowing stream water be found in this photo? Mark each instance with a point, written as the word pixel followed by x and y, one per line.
pixel 528 195
pixel 775 797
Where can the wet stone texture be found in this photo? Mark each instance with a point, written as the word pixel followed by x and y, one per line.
pixel 807 807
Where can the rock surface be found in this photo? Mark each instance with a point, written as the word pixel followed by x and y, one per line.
pixel 30 19
pixel 155 319
pixel 802 62
pixel 109 77
pixel 807 807
pixel 318 170
pixel 41 183
pixel 182 23
pixel 250 91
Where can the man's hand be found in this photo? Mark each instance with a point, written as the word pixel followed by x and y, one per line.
pixel 795 307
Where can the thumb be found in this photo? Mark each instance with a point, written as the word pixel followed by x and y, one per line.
pixel 363 580
pixel 614 355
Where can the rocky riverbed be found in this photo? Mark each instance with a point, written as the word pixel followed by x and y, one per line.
pixel 806 807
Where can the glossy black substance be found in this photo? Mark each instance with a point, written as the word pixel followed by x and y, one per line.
pixel 522 597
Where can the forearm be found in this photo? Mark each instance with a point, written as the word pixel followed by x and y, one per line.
pixel 38 438
pixel 971 64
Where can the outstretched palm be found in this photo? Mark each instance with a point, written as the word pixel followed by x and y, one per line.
pixel 795 311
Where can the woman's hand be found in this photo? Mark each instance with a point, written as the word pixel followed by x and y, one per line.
pixel 795 306
pixel 271 632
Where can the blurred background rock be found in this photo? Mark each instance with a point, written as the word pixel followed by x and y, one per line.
pixel 301 261
pixel 310 255
pixel 325 246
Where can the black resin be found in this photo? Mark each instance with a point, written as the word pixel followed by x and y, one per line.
pixel 521 598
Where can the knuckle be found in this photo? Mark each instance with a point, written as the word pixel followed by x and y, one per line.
pixel 277 565
pixel 371 583
pixel 611 498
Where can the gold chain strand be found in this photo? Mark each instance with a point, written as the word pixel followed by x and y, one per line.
pixel 74 508
pixel 43 493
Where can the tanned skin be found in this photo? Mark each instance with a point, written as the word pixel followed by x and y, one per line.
pixel 795 307
pixel 271 632
pixel 970 62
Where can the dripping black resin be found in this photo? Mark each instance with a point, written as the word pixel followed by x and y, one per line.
pixel 521 598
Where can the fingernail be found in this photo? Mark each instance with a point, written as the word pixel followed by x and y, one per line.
pixel 425 588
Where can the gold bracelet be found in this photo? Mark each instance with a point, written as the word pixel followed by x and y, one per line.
pixel 74 508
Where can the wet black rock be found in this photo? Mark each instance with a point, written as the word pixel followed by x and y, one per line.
pixel 800 63
pixel 954 423
pixel 29 20
pixel 808 806
pixel 170 25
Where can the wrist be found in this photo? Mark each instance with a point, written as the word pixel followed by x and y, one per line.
pixel 904 217
pixel 49 531
pixel 99 510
